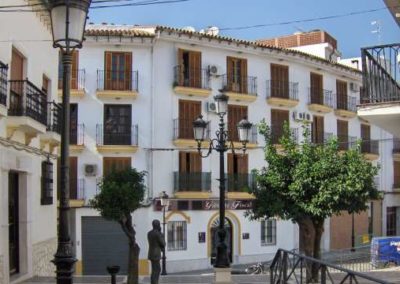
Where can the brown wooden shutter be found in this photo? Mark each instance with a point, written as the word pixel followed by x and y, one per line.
pixel 342 132
pixel 365 132
pixel 183 167
pixel 279 81
pixel 396 174
pixel 243 163
pixel 108 70
pixel 74 70
pixel 188 112
pixel 17 66
pixel 229 72
pixel 318 130
pixel 180 70
pixel 235 114
pixel 195 162
pixel 195 69
pixel 316 88
pixel 45 84
pixel 341 94
pixel 73 177
pixel 243 69
pixel 230 163
pixel 115 164
pixel 278 118
pixel 128 71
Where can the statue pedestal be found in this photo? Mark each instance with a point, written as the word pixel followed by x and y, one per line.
pixel 223 276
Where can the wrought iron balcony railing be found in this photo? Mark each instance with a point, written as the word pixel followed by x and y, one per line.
pixel 370 147
pixel 78 77
pixel 346 142
pixel 54 117
pixel 114 80
pixel 77 189
pixel 282 89
pixel 233 134
pixel 3 83
pixel 396 145
pixel 396 185
pixel 27 100
pixel 239 182
pixel 320 97
pixel 183 129
pixel 240 84
pixel 77 135
pixel 191 77
pixel 119 134
pixel 277 133
pixel 196 182
pixel 320 137
pixel 381 74
pixel 344 102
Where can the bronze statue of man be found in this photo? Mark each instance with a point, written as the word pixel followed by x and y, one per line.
pixel 156 246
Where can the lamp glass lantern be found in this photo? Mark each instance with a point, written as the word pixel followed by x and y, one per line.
pixel 199 128
pixel 244 130
pixel 68 20
pixel 221 103
pixel 164 199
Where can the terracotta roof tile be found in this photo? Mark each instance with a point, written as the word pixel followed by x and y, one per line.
pixel 119 30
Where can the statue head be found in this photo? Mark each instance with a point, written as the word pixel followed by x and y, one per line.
pixel 156 225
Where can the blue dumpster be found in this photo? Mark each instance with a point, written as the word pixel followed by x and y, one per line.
pixel 385 250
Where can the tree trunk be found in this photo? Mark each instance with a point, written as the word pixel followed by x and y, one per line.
pixel 306 243
pixel 319 229
pixel 134 250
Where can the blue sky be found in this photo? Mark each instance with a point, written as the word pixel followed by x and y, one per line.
pixel 352 32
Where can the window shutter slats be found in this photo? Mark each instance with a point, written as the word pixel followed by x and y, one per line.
pixel 107 70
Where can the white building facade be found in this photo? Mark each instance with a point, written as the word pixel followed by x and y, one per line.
pixel 28 145
pixel 136 93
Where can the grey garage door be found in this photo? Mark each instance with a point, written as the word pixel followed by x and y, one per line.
pixel 103 244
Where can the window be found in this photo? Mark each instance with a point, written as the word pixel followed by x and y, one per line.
pixel 111 164
pixel 177 235
pixel 189 68
pixel 118 71
pixel 396 174
pixel 188 112
pixel 236 74
pixel 73 124
pixel 316 92
pixel 317 133
pixel 268 232
pixel 341 94
pixel 235 114
pixel 238 172
pixel 190 175
pixel 73 178
pixel 279 81
pixel 117 125
pixel 74 70
pixel 278 118
pixel 391 217
pixel 342 133
pixel 47 183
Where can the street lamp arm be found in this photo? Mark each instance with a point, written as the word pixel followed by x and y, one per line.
pixel 210 148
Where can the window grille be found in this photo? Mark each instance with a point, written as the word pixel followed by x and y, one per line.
pixel 177 235
pixel 47 183
pixel 268 232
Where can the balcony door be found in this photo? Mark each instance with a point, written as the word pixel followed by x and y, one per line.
pixel 316 89
pixel 235 114
pixel 188 112
pixel 317 133
pixel 342 133
pixel 16 88
pixel 279 81
pixel 115 164
pixel 366 138
pixel 190 171
pixel 117 124
pixel 238 172
pixel 118 71
pixel 13 222
pixel 236 74
pixel 278 118
pixel 189 68
pixel 341 95
pixel 74 70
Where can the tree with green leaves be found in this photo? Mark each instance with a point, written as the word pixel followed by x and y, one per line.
pixel 308 183
pixel 121 193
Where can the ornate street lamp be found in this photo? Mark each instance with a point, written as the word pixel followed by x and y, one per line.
pixel 164 199
pixel 68 19
pixel 219 144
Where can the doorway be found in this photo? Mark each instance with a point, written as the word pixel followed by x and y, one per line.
pixel 228 239
pixel 13 221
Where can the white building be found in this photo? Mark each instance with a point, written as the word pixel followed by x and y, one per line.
pixel 137 91
pixel 28 145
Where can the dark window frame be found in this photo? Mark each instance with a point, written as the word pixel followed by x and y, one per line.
pixel 177 235
pixel 268 232
pixel 47 183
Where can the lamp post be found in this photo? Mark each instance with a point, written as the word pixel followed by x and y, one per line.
pixel 68 19
pixel 164 198
pixel 219 144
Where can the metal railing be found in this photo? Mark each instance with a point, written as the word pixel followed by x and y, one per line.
pixel 240 84
pixel 78 77
pixel 77 189
pixel 77 135
pixel 183 129
pixel 27 100
pixel 239 182
pixel 344 102
pixel 396 185
pixel 117 134
pixel 114 80
pixel 282 89
pixel 54 117
pixel 191 77
pixel 290 267
pixel 346 142
pixel 320 137
pixel 278 131
pixel 396 145
pixel 377 182
pixel 370 147
pixel 233 134
pixel 381 74
pixel 3 83
pixel 192 181
pixel 320 97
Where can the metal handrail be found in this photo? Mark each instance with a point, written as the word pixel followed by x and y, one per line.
pixel 240 84
pixel 191 77
pixel 194 182
pixel 283 89
pixel 117 80
pixel 320 97
pixel 183 129
pixel 54 117
pixel 78 78
pixel 296 268
pixel 117 134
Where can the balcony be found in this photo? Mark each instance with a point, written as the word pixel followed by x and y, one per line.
pixel 3 89
pixel 183 135
pixel 117 138
pixel 27 111
pixel 320 137
pixel 282 93
pixel 346 106
pixel 53 134
pixel 233 136
pixel 240 88
pixel 346 142
pixel 192 185
pixel 396 149
pixel 112 84
pixel 191 81
pixel 320 100
pixel 238 185
pixel 277 132
pixel 370 149
pixel 77 193
pixel 78 77
pixel 77 138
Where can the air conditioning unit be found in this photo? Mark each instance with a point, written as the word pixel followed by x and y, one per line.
pixel 354 87
pixel 302 116
pixel 211 107
pixel 213 70
pixel 90 170
pixel 307 116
